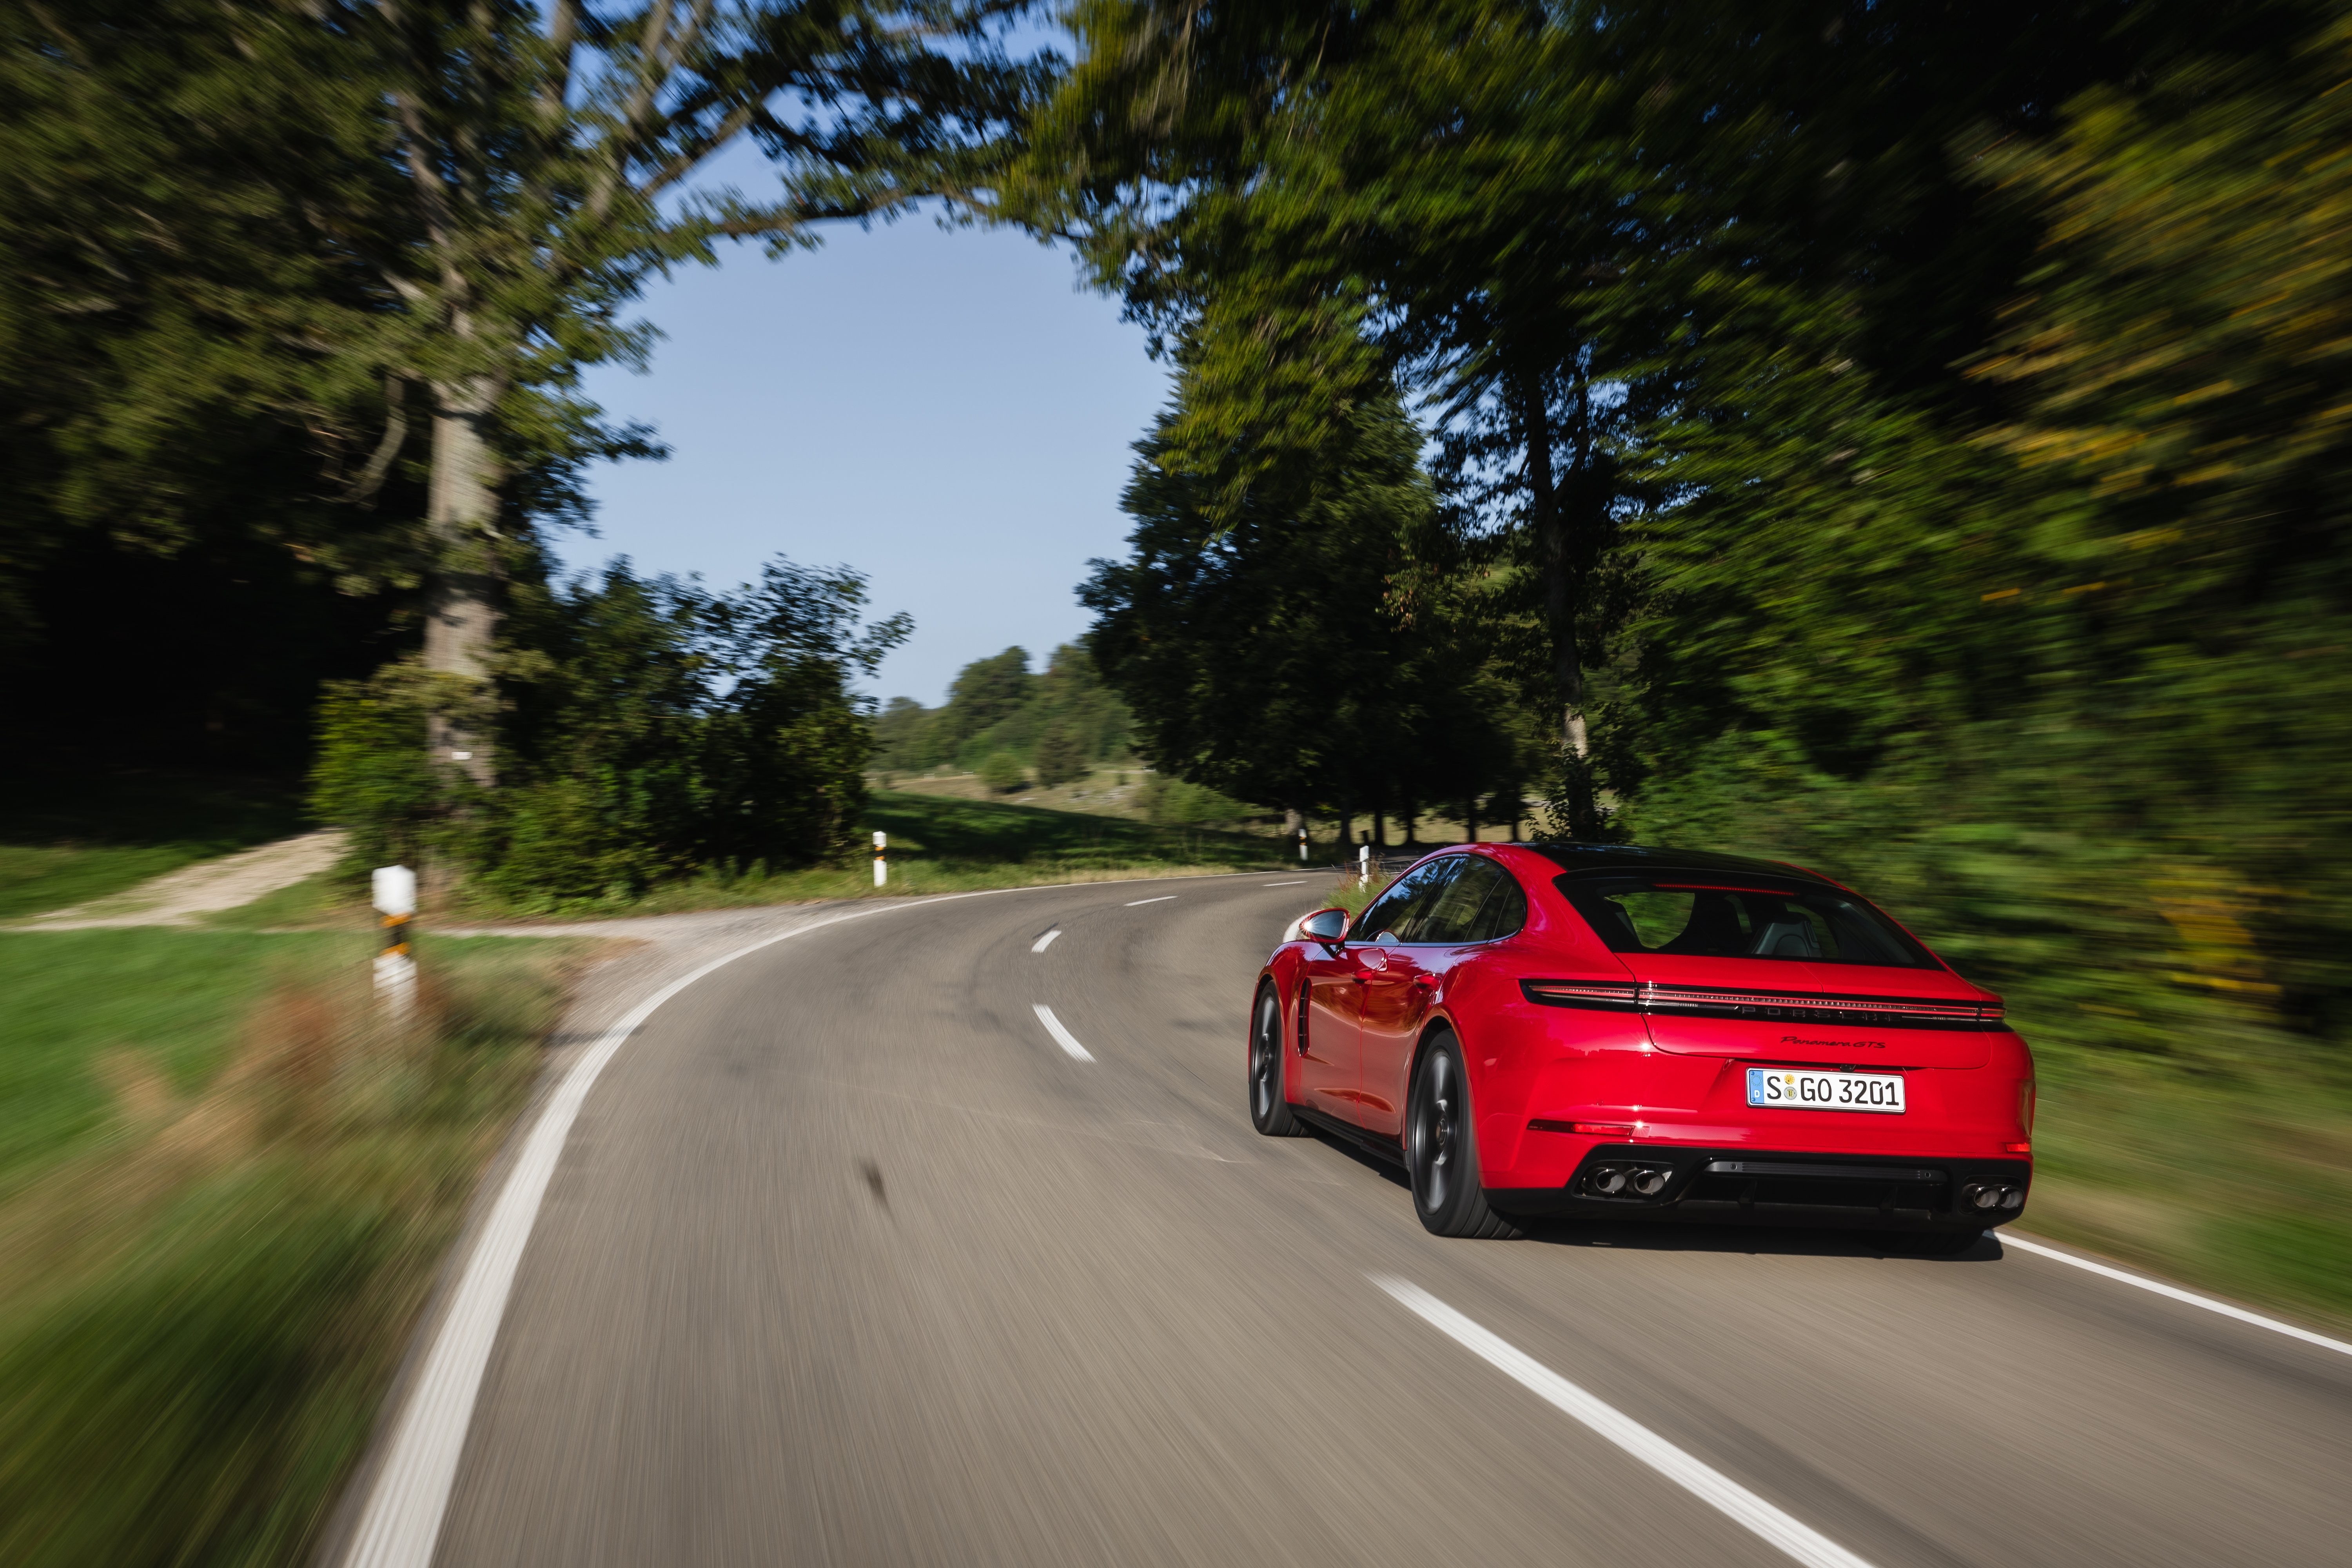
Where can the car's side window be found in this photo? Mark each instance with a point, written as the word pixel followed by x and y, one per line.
pixel 1503 913
pixel 1398 913
pixel 1456 911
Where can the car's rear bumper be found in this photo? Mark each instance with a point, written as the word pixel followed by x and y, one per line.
pixel 1746 1185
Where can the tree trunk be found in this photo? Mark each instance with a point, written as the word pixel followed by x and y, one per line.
pixel 1470 820
pixel 1559 560
pixel 460 607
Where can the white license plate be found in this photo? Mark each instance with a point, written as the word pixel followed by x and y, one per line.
pixel 1785 1088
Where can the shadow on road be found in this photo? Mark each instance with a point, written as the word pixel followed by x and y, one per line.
pixel 1778 1241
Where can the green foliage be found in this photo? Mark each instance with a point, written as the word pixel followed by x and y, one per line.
pixel 273 267
pixel 1287 641
pixel 1060 759
pixel 653 730
pixel 996 704
pixel 1919 440
pixel 1172 800
pixel 2066 685
pixel 1003 771
pixel 974 843
pixel 371 776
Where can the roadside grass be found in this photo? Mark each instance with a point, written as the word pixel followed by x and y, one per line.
pixel 938 843
pixel 161 1005
pixel 2239 1183
pixel 68 840
pixel 228 1187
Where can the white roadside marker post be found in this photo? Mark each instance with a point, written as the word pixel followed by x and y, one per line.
pixel 1302 845
pixel 881 865
pixel 1364 865
pixel 395 890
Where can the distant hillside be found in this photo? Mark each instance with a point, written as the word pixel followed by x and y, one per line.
pixel 1056 723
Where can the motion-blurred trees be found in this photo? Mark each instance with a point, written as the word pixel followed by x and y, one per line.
pixel 324 276
pixel 1911 431
pixel 199 518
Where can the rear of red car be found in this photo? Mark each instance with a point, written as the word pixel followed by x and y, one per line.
pixel 1696 1037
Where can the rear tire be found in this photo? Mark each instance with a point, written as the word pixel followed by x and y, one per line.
pixel 1270 1070
pixel 1441 1150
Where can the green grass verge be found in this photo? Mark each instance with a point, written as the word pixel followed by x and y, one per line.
pixel 232 1185
pixel 2239 1183
pixel 68 840
pixel 940 845
pixel 86 1003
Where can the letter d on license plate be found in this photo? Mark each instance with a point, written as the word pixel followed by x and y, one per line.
pixel 1788 1088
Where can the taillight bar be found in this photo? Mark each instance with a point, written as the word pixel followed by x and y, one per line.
pixel 1766 1006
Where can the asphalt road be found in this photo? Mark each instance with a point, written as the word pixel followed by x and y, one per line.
pixel 848 1261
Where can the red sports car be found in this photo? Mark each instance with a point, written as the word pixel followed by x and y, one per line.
pixel 1600 1031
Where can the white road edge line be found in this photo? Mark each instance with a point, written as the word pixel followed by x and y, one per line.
pixel 1042 942
pixel 1066 1040
pixel 2177 1294
pixel 1799 1539
pixel 1162 899
pixel 401 1524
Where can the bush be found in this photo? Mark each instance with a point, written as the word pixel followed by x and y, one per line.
pixel 1001 772
pixel 1172 800
pixel 371 775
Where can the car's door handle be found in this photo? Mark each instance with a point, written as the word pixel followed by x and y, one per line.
pixel 1425 981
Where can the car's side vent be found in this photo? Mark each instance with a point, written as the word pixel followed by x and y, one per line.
pixel 1814 1007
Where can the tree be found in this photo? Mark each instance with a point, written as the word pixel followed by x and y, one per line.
pixel 549 155
pixel 1264 644
pixel 1612 249
pixel 654 729
pixel 280 263
pixel 1059 759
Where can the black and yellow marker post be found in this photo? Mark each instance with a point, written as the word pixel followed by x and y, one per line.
pixel 395 889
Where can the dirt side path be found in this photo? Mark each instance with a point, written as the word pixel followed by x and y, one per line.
pixel 177 897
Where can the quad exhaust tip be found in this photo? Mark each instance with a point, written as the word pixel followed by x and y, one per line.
pixel 1615 1180
pixel 1989 1198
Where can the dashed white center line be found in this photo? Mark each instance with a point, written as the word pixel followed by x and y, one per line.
pixel 1061 1036
pixel 1799 1539
pixel 1042 942
pixel 1294 882
pixel 1161 900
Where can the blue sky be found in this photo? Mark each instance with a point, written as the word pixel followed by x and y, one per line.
pixel 943 410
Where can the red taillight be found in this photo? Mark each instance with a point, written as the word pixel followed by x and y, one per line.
pixel 1576 993
pixel 1588 1129
pixel 1833 1009
pixel 2017 1148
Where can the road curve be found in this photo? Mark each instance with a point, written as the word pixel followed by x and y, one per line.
pixel 849 1260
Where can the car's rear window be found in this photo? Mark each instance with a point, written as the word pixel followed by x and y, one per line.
pixel 1713 914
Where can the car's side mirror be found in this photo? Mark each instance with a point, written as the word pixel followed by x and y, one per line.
pixel 1328 926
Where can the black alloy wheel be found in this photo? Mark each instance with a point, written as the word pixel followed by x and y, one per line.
pixel 1441 1150
pixel 1270 1113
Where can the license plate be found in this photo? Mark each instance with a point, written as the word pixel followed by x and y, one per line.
pixel 1783 1088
